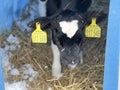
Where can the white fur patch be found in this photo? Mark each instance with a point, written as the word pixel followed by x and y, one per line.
pixel 56 66
pixel 69 28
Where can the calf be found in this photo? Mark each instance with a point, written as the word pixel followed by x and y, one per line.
pixel 66 31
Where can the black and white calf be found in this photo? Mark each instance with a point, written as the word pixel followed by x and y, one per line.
pixel 66 31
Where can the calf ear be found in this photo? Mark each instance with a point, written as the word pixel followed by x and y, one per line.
pixel 44 22
pixel 100 16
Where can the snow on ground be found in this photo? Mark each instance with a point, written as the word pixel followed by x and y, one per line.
pixel 14 71
pixel 28 73
pixel 12 43
pixel 5 54
pixel 16 86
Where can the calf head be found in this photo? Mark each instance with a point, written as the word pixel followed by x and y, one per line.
pixel 67 33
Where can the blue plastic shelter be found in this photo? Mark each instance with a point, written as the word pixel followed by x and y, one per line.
pixel 1 76
pixel 10 11
pixel 111 72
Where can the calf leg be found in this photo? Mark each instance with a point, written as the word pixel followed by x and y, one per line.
pixel 56 65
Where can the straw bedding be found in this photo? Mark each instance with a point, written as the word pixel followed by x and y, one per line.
pixel 88 76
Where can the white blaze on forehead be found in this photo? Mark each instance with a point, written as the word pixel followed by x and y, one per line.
pixel 69 28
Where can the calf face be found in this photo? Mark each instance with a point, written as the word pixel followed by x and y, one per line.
pixel 67 35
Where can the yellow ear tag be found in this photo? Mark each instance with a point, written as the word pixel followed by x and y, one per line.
pixel 93 30
pixel 39 36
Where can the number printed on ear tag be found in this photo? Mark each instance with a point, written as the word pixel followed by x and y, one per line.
pixel 93 30
pixel 39 36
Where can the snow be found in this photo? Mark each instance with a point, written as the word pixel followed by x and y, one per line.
pixel 14 43
pixel 28 71
pixel 16 86
pixel 6 55
pixel 14 71
pixel 12 39
pixel 12 12
pixel 5 61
